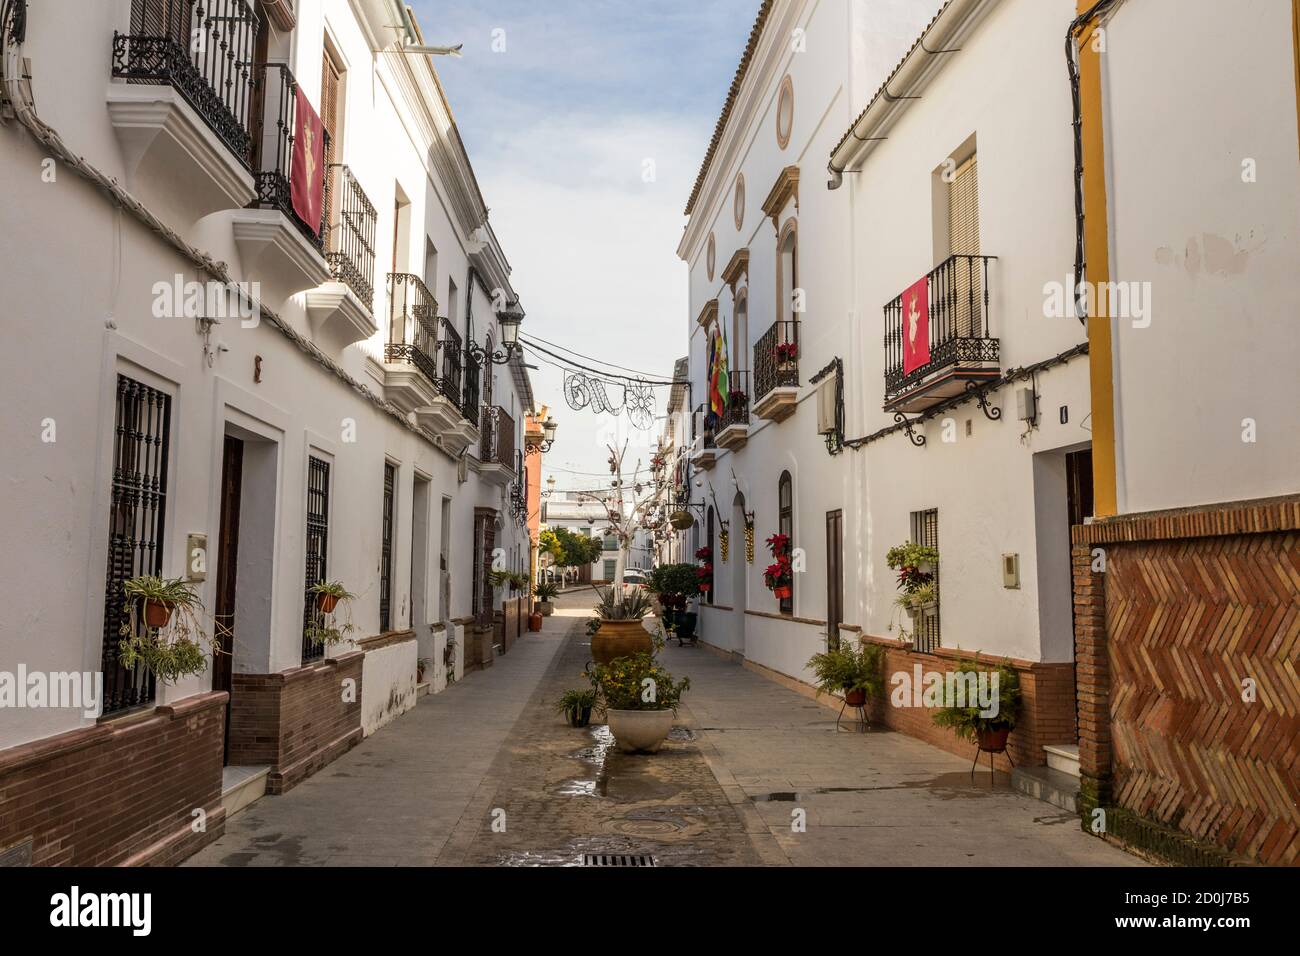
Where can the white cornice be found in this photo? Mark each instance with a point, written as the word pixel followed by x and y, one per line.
pixel 758 88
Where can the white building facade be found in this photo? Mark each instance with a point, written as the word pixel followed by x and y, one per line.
pixel 948 130
pixel 328 411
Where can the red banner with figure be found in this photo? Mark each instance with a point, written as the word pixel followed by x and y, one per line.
pixel 307 176
pixel 916 326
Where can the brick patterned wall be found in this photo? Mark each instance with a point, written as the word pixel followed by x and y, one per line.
pixel 296 720
pixel 120 792
pixel 1047 714
pixel 1192 603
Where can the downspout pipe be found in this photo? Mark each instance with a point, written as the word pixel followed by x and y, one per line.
pixel 1097 10
pixel 905 77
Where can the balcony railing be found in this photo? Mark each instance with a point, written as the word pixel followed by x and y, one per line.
pixel 469 395
pixel 203 49
pixel 776 358
pixel 709 426
pixel 412 324
pixel 350 247
pixel 451 358
pixel 737 410
pixel 957 322
pixel 277 100
pixel 497 437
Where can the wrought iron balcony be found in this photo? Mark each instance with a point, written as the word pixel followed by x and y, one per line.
pixel 497 440
pixel 776 370
pixel 203 49
pixel 451 359
pixel 961 349
pixel 412 324
pixel 706 453
pixel 276 97
pixel 733 423
pixel 350 245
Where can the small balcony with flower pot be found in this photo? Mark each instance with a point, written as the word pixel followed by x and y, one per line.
pixel 733 423
pixel 776 371
pixel 937 341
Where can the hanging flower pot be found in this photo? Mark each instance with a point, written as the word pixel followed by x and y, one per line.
pixel 157 614
pixel 783 592
pixel 327 602
pixel 681 520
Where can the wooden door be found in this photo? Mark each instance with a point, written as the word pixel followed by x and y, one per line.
pixel 232 479
pixel 834 576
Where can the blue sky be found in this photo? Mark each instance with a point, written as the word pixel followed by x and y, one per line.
pixel 560 126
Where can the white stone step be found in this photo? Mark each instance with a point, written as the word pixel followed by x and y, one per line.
pixel 1051 786
pixel 1063 757
pixel 241 786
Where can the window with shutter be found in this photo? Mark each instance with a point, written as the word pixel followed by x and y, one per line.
pixel 330 85
pixel 964 240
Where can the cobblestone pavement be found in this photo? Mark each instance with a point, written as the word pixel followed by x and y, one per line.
pixel 556 792
pixel 489 774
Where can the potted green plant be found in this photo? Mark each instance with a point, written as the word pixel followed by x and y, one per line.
pixel 421 666
pixel 546 593
pixel 674 585
pixel 163 629
pixel 921 602
pixel 620 631
pixel 640 699
pixel 499 579
pixel 576 706
pixel 852 671
pixel 989 733
pixel 324 625
pixel 328 594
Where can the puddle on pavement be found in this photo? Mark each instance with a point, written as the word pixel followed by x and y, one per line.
pixel 947 786
pixel 595 785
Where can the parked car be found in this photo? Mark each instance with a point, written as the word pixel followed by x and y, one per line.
pixel 634 577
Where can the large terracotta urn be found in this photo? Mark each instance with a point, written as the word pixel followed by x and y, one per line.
pixel 620 639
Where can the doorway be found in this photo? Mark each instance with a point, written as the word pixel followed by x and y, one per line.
pixel 232 482
pixel 739 582
pixel 420 553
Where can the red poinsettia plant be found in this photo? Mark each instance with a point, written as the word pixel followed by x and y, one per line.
pixel 787 351
pixel 779 575
pixel 704 553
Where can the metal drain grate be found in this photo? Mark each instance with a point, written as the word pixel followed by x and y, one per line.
pixel 618 859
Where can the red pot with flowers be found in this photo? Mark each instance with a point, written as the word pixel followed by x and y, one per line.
pixel 779 575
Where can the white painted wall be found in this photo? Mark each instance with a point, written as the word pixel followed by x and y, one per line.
pixel 78 280
pixel 1219 253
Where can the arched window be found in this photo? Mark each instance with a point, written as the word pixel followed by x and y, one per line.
pixel 709 544
pixel 740 332
pixel 785 525
pixel 787 270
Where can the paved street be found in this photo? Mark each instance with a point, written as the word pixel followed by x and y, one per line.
pixel 746 757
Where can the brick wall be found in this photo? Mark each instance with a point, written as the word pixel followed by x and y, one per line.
pixel 120 792
pixel 1046 714
pixel 297 720
pixel 1190 605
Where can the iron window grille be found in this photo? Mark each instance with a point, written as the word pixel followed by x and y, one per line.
pixel 386 551
pixel 203 49
pixel 318 511
pixel 497 438
pixel 925 632
pixel 412 324
pixel 470 395
pixel 137 513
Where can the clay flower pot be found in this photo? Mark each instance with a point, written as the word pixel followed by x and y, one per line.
pixel 327 602
pixel 635 730
pixel 157 614
pixel 856 697
pixel 993 739
pixel 620 639
pixel 782 592
pixel 535 621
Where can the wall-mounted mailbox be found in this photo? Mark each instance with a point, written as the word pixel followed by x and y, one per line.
pixel 1011 570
